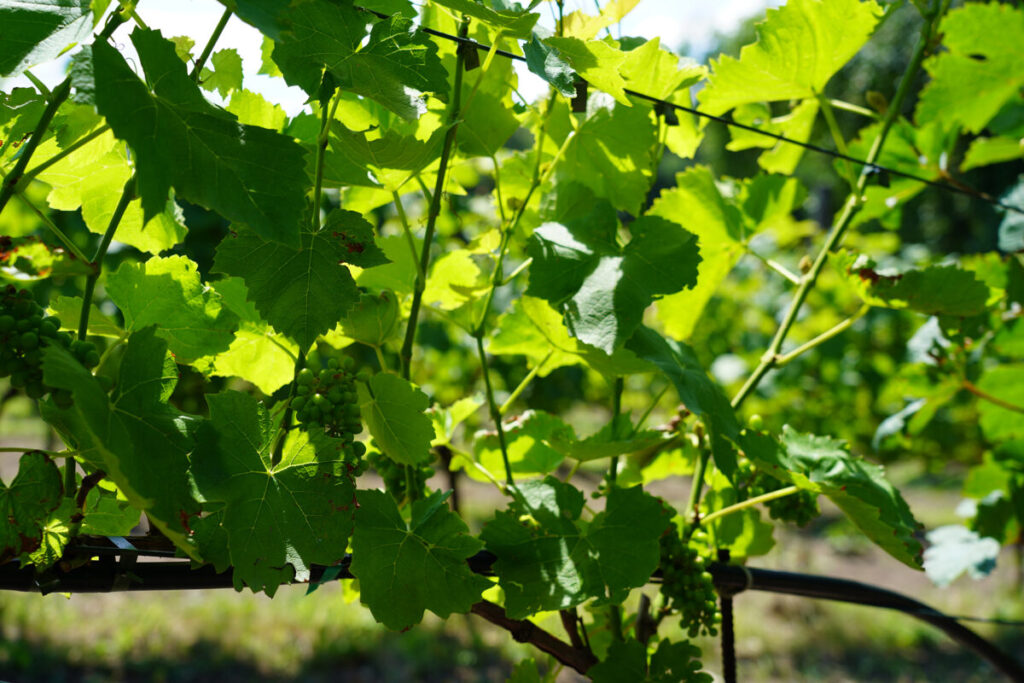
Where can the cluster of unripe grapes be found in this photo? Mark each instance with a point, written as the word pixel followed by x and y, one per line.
pixel 25 330
pixel 797 508
pixel 397 477
pixel 328 399
pixel 688 586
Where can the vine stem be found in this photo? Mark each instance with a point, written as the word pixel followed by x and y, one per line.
pixel 853 202
pixel 823 337
pixel 208 50
pixel 697 485
pixel 322 140
pixel 452 119
pixel 837 137
pixel 750 502
pixel 495 411
pixel 994 400
pixel 127 195
pixel 52 454
pixel 614 611
pixel 407 230
pixel 776 266
pixel 525 383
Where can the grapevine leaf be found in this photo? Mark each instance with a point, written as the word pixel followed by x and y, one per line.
pixel 260 355
pixel 226 75
pixel 609 441
pixel 27 502
pixel 994 150
pixel 602 289
pixel 824 465
pixel 388 160
pixel 399 274
pixel 611 154
pixel 513 24
pixel 252 109
pixel 266 15
pixel 405 568
pixel 108 515
pixel 981 69
pixel 653 71
pixel 85 178
pixel 454 280
pixel 1005 383
pixel 936 290
pixel 670 663
pixel 303 293
pixel 586 26
pixel 247 174
pixel 53 537
pixel 698 205
pixel 168 292
pixel 446 420
pixel 698 392
pixel 544 60
pixel 373 319
pixel 781 157
pixel 393 64
pixel 799 47
pixel 744 534
pixel 36 31
pixel 955 549
pixel 596 62
pixel 535 442
pixel 394 411
pixel 615 552
pixel 137 438
pixel 279 518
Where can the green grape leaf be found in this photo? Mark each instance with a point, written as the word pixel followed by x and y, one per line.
pixel 388 160
pixel 405 568
pixel 373 320
pixel 799 48
pixel 781 157
pixel 455 280
pixel 955 549
pixel 513 24
pixel 653 71
pixel 394 411
pixel 108 515
pixel 167 292
pixel 446 420
pixel 744 534
pixel 53 538
pixel 605 558
pixel 671 663
pixel 399 274
pixel 247 174
pixel 259 354
pixel 981 69
pixel 84 180
pixel 303 293
pixel 266 15
pixel 226 75
pixel 69 308
pixel 596 62
pixel 26 503
pixel 545 61
pixel 535 442
pixel 698 205
pixel 994 150
pixel 602 289
pixel 36 31
pixel 611 155
pixel 824 465
pixel 936 290
pixel 253 110
pixel 697 391
pixel 1005 383
pixel 613 439
pixel 392 66
pixel 279 518
pixel 134 436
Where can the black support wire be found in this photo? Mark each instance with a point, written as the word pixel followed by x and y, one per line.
pixel 109 573
pixel 665 104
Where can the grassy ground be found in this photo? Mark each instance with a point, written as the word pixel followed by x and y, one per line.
pixel 227 637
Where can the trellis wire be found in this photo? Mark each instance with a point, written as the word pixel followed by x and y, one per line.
pixel 871 167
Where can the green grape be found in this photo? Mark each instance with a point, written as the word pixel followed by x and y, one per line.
pixel 688 587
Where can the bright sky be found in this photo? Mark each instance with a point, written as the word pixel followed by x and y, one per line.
pixel 677 22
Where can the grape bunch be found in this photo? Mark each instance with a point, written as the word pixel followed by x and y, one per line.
pixel 797 508
pixel 328 399
pixel 24 331
pixel 397 477
pixel 688 586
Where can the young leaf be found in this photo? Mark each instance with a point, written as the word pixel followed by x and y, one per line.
pixel 544 61
pixel 226 75
pixel 247 174
pixel 935 290
pixel 26 503
pixel 167 292
pixel 535 441
pixel 405 568
pixel 603 289
pixel 799 47
pixel 279 518
pixel 615 552
pixel 596 62
pixel 394 411
pixel 36 31
pixel 824 465
pixel 981 69
pixel 303 293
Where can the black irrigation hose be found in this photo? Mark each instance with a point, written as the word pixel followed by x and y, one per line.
pixel 107 574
